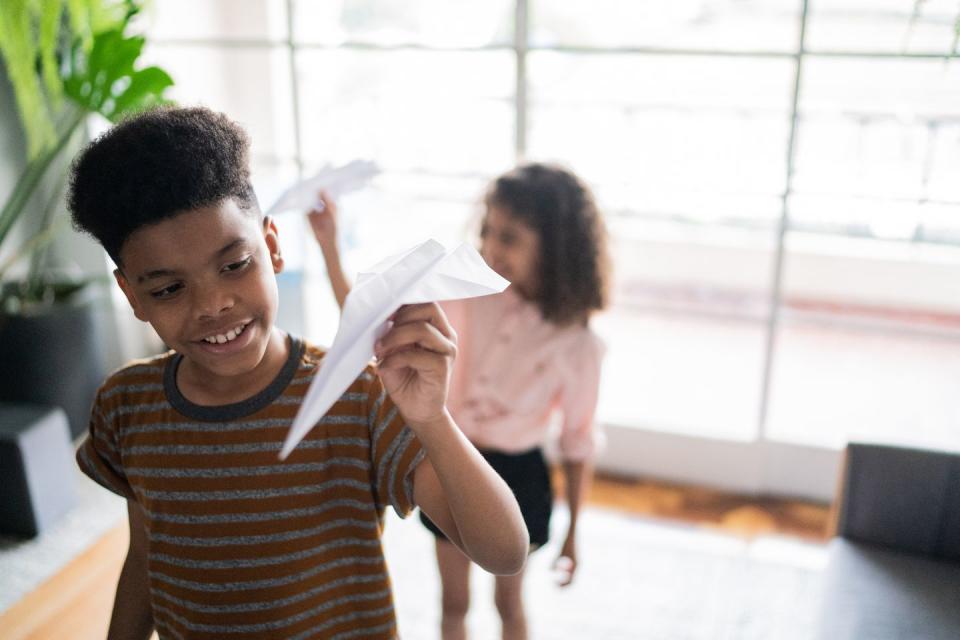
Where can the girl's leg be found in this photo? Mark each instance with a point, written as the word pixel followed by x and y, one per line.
pixel 509 600
pixel 455 582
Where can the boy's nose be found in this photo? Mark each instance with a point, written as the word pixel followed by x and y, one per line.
pixel 213 312
pixel 211 302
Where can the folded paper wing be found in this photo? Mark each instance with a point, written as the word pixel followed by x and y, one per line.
pixel 336 180
pixel 425 273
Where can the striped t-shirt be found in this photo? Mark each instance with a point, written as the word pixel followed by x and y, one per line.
pixel 242 545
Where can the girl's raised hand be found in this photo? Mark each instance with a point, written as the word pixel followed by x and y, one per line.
pixel 415 361
pixel 323 221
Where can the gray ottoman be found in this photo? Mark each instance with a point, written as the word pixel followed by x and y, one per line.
pixel 36 467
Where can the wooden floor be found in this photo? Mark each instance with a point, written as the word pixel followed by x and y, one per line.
pixel 709 508
pixel 76 602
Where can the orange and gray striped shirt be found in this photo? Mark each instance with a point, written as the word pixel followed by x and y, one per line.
pixel 241 544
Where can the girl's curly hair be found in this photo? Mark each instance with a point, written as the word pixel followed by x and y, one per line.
pixel 574 265
pixel 155 165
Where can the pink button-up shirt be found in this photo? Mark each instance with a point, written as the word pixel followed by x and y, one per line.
pixel 514 369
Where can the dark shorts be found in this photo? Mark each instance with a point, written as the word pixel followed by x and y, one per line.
pixel 528 477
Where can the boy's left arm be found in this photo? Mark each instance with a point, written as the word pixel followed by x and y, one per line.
pixel 454 485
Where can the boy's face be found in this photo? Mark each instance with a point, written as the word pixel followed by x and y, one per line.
pixel 205 280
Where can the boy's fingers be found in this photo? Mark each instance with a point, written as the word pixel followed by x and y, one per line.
pixel 425 312
pixel 420 334
pixel 417 359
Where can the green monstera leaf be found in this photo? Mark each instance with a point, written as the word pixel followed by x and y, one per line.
pixel 105 80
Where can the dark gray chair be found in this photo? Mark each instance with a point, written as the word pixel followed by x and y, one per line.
pixel 894 567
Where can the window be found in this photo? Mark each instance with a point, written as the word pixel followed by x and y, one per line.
pixel 787 253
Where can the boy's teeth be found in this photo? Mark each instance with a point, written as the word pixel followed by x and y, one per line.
pixel 227 337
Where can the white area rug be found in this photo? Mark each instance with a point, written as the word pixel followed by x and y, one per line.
pixel 638 579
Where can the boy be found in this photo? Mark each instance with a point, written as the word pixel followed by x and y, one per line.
pixel 225 539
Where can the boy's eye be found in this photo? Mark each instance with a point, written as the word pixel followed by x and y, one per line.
pixel 236 266
pixel 166 291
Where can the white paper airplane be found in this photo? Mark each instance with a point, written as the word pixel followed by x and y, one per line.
pixel 304 195
pixel 426 273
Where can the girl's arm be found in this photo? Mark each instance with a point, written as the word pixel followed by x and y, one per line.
pixel 324 224
pixel 577 438
pixel 577 478
pixel 454 485
pixel 132 618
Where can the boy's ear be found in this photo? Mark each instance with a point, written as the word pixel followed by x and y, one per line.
pixel 130 295
pixel 272 239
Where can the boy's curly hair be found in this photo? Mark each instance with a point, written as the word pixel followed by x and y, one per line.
pixel 574 265
pixel 155 165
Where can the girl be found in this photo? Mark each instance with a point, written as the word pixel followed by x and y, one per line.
pixel 522 354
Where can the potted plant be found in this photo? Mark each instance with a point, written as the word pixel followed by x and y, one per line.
pixel 65 60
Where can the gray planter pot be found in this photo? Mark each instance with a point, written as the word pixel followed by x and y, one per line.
pixel 54 357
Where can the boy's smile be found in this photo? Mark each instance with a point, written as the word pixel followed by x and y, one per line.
pixel 205 280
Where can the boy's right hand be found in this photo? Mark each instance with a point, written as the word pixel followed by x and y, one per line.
pixel 323 221
pixel 415 361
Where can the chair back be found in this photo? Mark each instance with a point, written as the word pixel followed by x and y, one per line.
pixel 907 499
